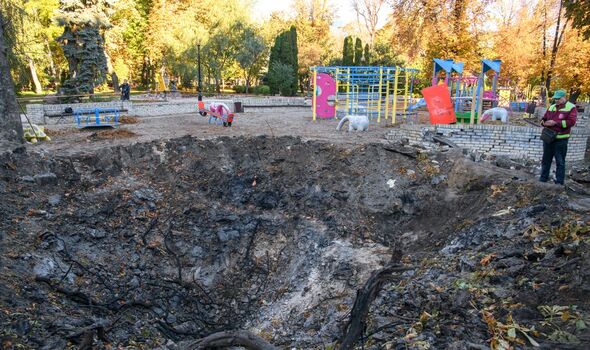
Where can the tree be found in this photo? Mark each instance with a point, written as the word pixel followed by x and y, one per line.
pixel 578 11
pixel 358 52
pixel 367 56
pixel 284 54
pixel 316 46
pixel 251 54
pixel 274 60
pixel 294 57
pixel 369 11
pixel 11 130
pixel 83 44
pixel 557 40
pixel 348 52
pixel 219 52
pixel 280 78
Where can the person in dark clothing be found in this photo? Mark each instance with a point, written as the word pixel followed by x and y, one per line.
pixel 125 90
pixel 560 117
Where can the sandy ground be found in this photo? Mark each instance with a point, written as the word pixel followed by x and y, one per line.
pixel 67 139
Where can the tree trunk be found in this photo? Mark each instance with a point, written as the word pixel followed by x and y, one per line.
pixel 555 48
pixel 247 82
pixel 11 129
pixel 54 75
pixel 574 94
pixel 543 88
pixel 34 77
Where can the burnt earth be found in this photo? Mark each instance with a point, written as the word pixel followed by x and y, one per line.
pixel 155 244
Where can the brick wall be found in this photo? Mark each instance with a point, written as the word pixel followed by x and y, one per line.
pixel 513 141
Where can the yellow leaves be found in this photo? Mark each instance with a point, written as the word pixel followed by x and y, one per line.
pixel 506 334
pixel 424 317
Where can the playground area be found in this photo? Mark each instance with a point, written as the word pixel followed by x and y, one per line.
pixel 389 94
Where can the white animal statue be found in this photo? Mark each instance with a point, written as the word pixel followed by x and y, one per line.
pixel 496 113
pixel 355 122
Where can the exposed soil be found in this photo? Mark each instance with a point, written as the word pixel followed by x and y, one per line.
pixel 128 119
pixel 158 243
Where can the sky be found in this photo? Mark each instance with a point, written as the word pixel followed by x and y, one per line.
pixel 344 11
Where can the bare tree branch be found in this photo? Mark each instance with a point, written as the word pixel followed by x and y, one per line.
pixel 369 11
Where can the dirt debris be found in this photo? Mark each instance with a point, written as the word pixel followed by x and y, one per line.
pixel 158 244
pixel 110 133
pixel 128 119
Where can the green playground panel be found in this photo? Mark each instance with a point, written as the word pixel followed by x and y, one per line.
pixel 465 117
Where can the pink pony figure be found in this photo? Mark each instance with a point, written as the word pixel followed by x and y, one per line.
pixel 221 111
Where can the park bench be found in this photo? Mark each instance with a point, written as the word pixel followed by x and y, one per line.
pixel 64 117
pixel 97 117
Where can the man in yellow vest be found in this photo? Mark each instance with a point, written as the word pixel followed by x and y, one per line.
pixel 560 117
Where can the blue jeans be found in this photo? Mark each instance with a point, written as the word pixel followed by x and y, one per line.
pixel 558 150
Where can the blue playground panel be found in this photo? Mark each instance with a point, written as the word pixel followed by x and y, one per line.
pixel 518 106
pixel 96 117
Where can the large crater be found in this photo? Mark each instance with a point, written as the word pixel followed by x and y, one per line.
pixel 156 244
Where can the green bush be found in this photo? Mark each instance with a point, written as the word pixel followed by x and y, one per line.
pixel 262 90
pixel 240 89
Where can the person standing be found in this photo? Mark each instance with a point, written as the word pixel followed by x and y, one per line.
pixel 560 118
pixel 125 91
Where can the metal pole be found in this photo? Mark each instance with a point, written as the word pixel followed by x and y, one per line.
pixel 200 96
pixel 379 95
pixel 337 88
pixel 406 97
pixel 480 96
pixel 314 96
pixel 394 108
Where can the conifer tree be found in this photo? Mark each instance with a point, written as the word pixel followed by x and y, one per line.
pixel 348 52
pixel 82 43
pixel 358 52
pixel 294 59
pixel 367 56
pixel 283 60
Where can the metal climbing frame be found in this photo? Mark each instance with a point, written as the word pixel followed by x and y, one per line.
pixel 377 92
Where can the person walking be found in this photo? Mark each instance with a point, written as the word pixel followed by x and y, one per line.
pixel 125 91
pixel 559 119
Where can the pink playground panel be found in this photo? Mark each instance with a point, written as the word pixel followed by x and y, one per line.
pixel 325 96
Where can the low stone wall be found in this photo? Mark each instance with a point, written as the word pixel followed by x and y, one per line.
pixel 47 114
pixel 50 114
pixel 512 141
pixel 251 102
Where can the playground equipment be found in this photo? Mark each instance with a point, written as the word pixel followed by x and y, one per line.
pixel 219 113
pixel 377 92
pixel 468 93
pixel 355 122
pixel 34 133
pixel 96 117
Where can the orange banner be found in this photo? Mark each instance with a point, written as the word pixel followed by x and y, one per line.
pixel 438 100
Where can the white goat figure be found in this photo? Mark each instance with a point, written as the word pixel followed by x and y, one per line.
pixel 496 113
pixel 355 122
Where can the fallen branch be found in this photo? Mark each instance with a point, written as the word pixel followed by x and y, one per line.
pixel 444 141
pixel 406 151
pixel 356 324
pixel 228 339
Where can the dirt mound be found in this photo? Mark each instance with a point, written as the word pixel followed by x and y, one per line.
pixel 156 244
pixel 111 134
pixel 128 119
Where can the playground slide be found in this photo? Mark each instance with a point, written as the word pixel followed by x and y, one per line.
pixel 421 103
